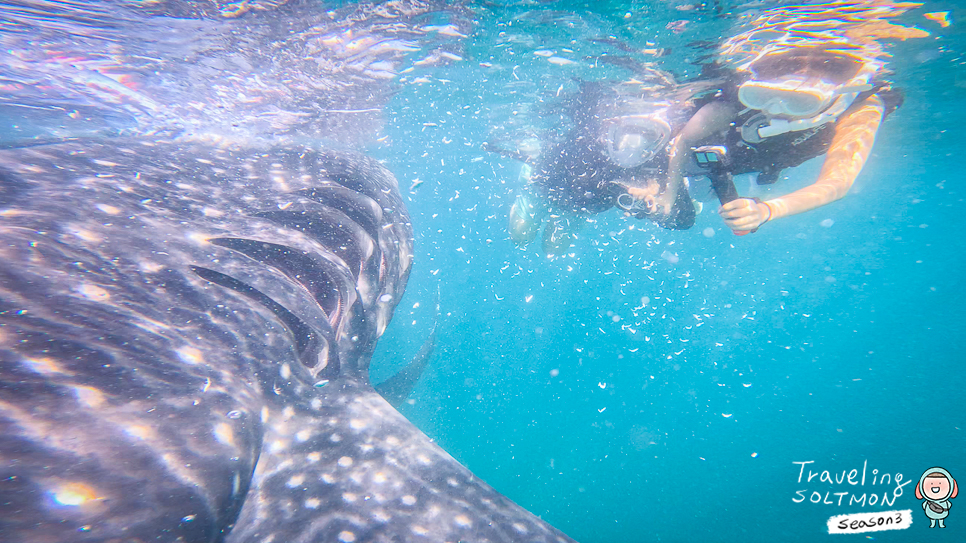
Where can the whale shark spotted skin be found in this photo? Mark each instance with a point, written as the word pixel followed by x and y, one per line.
pixel 185 333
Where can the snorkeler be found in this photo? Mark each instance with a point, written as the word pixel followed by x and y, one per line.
pixel 619 140
pixel 795 99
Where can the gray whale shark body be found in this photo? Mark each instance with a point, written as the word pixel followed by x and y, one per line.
pixel 185 332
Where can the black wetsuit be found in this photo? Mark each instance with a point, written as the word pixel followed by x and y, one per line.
pixel 575 177
pixel 569 176
pixel 579 178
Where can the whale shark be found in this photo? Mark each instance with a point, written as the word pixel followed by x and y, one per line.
pixel 195 268
pixel 185 332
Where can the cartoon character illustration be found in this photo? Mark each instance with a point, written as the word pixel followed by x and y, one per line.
pixel 936 487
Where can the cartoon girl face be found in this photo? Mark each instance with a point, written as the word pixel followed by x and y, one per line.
pixel 936 487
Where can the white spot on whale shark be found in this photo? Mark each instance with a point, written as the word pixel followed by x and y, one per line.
pixel 190 355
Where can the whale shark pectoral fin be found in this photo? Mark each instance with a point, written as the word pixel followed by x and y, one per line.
pixel 349 467
pixel 397 388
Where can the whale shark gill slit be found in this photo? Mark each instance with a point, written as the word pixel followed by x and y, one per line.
pixel 300 267
pixel 306 340
pixel 158 323
pixel 341 234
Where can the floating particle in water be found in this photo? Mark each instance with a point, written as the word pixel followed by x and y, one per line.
pixel 559 61
pixel 673 258
pixel 554 372
pixel 827 223
pixel 645 300
pixel 754 455
pixel 727 415
pixel 677 26
pixel 708 232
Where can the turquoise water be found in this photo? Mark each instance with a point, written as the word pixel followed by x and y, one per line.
pixel 835 336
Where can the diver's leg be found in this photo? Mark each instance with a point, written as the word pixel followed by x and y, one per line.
pixel 941 523
pixel 560 232
pixel 526 215
pixel 932 523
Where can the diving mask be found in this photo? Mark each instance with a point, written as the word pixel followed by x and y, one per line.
pixel 802 83
pixel 632 140
pixel 788 96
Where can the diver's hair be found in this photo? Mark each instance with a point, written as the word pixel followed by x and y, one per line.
pixel 936 475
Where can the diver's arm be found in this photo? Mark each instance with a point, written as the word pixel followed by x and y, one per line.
pixel 848 152
pixel 713 118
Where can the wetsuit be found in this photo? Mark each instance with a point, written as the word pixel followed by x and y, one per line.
pixel 576 177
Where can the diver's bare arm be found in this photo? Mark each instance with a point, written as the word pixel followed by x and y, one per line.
pixel 850 148
pixel 712 118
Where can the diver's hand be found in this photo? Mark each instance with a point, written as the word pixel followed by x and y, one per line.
pixel 745 214
pixel 651 195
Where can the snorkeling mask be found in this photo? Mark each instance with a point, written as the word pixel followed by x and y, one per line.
pixel 632 140
pixel 789 96
pixel 804 88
